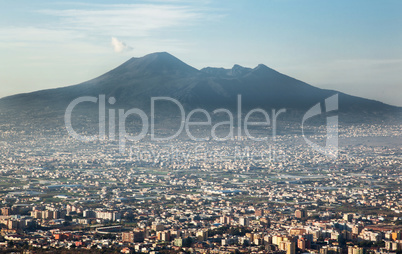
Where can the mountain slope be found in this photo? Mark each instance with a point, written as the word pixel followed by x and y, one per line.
pixel 134 82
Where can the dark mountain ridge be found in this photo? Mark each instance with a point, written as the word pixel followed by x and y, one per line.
pixel 134 82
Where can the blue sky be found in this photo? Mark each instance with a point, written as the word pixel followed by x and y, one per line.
pixel 351 46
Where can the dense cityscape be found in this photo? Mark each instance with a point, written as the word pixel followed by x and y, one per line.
pixel 181 196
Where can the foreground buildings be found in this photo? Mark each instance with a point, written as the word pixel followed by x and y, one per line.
pixel 181 196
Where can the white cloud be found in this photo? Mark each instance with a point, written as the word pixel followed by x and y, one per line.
pixel 119 46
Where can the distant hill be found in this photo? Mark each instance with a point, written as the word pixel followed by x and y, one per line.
pixel 134 82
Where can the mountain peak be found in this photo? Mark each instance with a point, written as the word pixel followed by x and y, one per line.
pixel 160 56
pixel 262 69
pixel 261 66
pixel 238 70
pixel 157 63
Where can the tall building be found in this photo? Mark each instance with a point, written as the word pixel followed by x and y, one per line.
pixel 56 214
pixel 47 215
pixel 355 250
pixel 202 235
pixel 89 214
pixel 301 243
pixel 178 242
pixel 112 216
pixel 157 226
pixel 5 211
pixel 290 247
pixel 163 236
pixel 225 220
pixel 268 239
pixel 258 241
pixel 391 246
pixel 244 221
pixel 396 235
pixel 300 214
pixel 36 214
pixel 250 236
pixel 357 229
pixel 277 239
pixel 137 235
pixel 259 213
pixel 348 217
